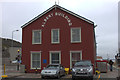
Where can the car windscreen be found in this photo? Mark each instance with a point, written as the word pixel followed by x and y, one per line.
pixel 82 63
pixel 52 66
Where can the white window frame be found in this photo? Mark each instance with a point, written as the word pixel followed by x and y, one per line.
pixel 33 42
pixel 32 52
pixel 79 34
pixel 72 52
pixel 52 36
pixel 51 57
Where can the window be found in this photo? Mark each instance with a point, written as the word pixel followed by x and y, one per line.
pixel 75 35
pixel 35 60
pixel 74 57
pixel 36 37
pixel 55 35
pixel 55 57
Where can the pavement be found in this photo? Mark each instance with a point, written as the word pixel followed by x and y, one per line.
pixel 13 73
pixel 109 75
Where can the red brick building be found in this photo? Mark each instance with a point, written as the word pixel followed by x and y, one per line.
pixel 57 36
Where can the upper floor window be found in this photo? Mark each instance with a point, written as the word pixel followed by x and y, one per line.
pixel 36 37
pixel 55 36
pixel 75 35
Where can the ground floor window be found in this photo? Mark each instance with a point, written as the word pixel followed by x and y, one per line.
pixel 55 57
pixel 35 60
pixel 74 57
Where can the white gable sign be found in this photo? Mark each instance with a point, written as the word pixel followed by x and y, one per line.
pixel 56 14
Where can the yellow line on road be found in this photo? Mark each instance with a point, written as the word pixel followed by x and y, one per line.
pixel 98 77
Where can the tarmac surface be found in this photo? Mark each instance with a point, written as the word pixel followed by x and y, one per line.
pixel 13 74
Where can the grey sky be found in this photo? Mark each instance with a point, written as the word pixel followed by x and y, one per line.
pixel 103 12
pixel 119 26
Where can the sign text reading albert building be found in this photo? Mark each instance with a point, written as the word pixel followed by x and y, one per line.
pixel 56 14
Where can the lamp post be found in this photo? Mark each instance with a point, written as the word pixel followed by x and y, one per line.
pixel 12 36
pixel 13 45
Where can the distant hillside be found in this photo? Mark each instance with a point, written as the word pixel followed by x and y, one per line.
pixel 6 43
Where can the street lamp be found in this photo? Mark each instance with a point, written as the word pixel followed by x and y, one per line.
pixel 12 36
pixel 12 45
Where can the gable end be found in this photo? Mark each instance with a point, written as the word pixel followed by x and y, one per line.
pixel 56 6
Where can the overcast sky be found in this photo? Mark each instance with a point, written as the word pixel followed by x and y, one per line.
pixel 104 13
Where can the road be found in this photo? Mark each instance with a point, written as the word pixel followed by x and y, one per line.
pixel 13 74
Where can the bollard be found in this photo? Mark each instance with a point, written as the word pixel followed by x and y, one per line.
pixel 36 70
pixel 67 70
pixel 4 69
pixel 4 76
pixel 18 67
pixel 97 71
pixel 25 69
pixel 98 77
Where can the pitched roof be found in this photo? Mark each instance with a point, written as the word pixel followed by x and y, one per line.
pixel 57 6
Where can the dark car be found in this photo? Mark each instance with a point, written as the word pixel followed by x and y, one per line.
pixel 82 69
pixel 53 70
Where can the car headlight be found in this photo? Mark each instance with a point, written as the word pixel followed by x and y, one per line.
pixel 89 70
pixel 42 71
pixel 73 70
pixel 57 72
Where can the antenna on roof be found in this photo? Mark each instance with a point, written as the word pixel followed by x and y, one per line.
pixel 55 2
pixel 55 5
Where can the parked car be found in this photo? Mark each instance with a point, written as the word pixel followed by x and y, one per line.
pixel 82 69
pixel 53 70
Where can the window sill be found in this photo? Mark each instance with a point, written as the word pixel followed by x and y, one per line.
pixel 36 43
pixel 55 43
pixel 35 68
pixel 76 42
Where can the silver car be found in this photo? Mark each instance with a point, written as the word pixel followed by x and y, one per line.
pixel 82 69
pixel 53 70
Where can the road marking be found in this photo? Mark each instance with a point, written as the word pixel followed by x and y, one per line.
pixel 98 77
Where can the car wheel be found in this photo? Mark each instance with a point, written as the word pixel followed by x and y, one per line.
pixel 64 74
pixel 58 76
pixel 42 77
pixel 91 78
pixel 73 78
